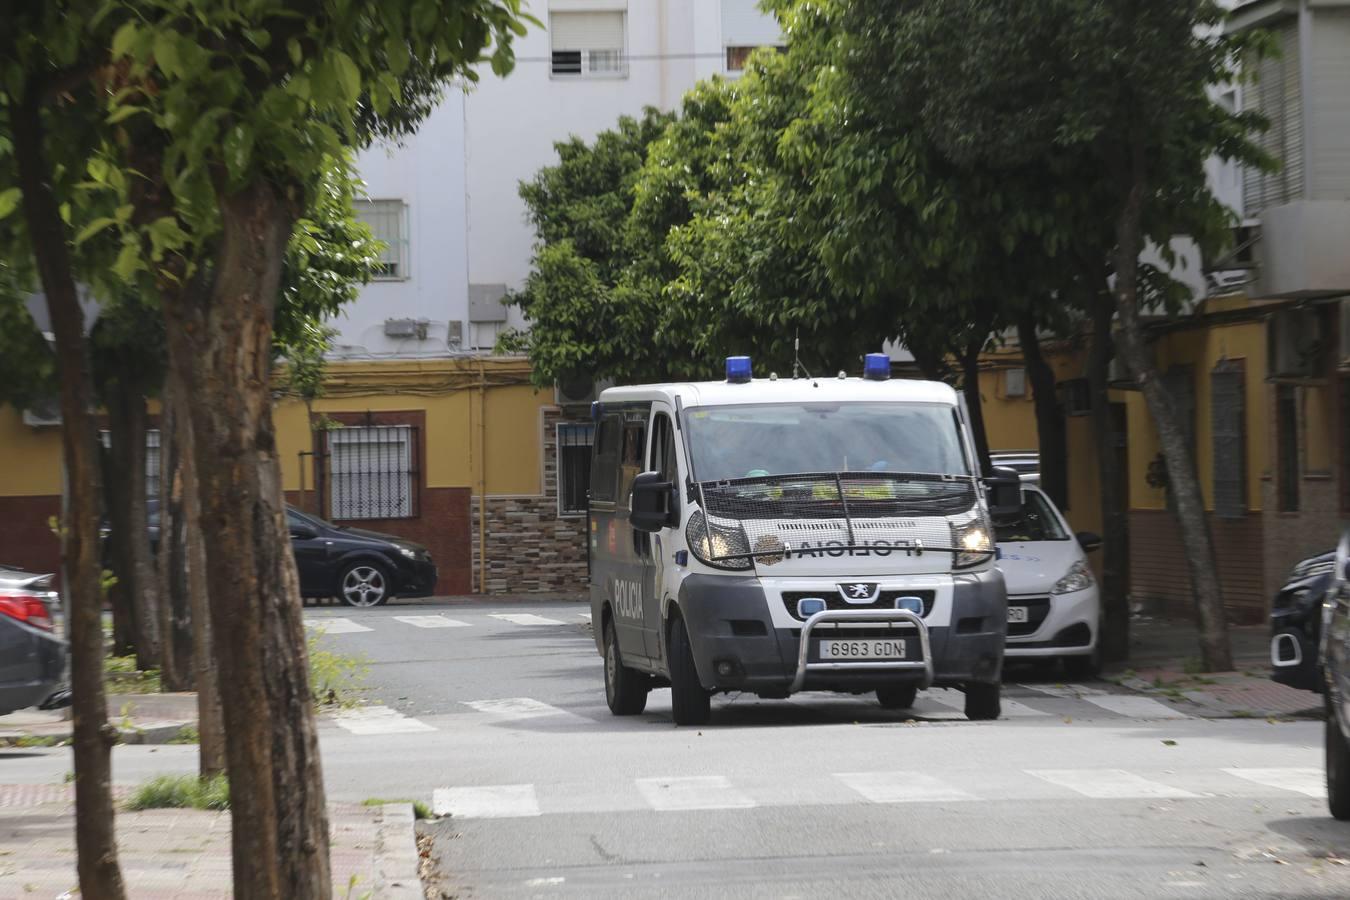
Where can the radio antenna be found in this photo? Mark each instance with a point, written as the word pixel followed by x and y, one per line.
pixel 797 356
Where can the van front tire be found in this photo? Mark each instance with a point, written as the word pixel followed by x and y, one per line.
pixel 690 702
pixel 625 690
pixel 1338 768
pixel 897 696
pixel 983 701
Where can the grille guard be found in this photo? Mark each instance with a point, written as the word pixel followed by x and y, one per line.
pixel 864 617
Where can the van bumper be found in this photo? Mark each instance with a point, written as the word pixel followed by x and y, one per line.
pixel 737 647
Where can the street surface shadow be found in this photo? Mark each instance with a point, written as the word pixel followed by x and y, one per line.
pixel 1321 836
pixel 1252 731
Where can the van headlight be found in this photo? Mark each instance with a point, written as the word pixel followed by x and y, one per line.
pixel 972 543
pixel 1078 578
pixel 710 544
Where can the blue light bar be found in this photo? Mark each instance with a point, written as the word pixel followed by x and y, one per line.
pixel 876 367
pixel 738 369
pixel 596 410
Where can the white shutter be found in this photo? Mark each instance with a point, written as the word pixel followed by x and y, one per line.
pixel 744 25
pixel 586 30
pixel 1278 95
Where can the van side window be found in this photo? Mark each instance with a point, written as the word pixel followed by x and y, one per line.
pixel 663 448
pixel 630 459
pixel 605 465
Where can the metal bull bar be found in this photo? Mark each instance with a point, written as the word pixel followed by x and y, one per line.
pixel 862 617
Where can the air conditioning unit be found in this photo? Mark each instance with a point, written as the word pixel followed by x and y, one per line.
pixel 1296 344
pixel 44 413
pixel 406 328
pixel 1118 374
pixel 454 334
pixel 578 391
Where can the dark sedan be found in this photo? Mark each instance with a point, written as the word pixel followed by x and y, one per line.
pixel 1296 623
pixel 32 657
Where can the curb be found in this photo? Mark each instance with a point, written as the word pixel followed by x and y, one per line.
pixel 1211 707
pixel 396 876
pixel 158 732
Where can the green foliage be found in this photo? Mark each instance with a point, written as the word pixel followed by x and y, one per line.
pixel 336 680
pixel 122 677
pixel 186 735
pixel 181 792
pixel 420 809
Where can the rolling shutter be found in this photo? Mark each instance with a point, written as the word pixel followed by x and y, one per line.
pixel 744 25
pixel 586 30
pixel 1278 95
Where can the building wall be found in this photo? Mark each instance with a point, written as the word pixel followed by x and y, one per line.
pixel 30 493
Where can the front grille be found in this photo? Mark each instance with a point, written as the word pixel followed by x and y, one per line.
pixel 855 632
pixel 833 600
pixel 1037 609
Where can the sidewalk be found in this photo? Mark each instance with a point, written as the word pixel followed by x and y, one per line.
pixel 138 718
pixel 1165 660
pixel 183 853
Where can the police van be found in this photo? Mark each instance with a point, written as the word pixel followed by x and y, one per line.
pixel 794 534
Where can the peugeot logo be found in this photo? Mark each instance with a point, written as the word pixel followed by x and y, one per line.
pixel 858 591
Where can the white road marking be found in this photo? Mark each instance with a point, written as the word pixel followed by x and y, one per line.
pixel 1065 691
pixel 902 787
pixel 335 625
pixel 1136 707
pixel 378 720
pixel 432 622
pixel 515 708
pixel 1311 782
pixel 496 801
pixel 1108 784
pixel 692 792
pixel 957 700
pixel 524 619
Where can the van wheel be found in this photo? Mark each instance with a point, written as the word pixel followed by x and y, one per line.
pixel 983 701
pixel 897 696
pixel 625 690
pixel 690 702
pixel 1338 768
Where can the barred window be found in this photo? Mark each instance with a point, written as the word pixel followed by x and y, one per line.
pixel 388 221
pixel 374 472
pixel 1229 439
pixel 574 467
pixel 152 463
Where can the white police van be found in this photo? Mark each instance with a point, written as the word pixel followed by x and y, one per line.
pixel 782 535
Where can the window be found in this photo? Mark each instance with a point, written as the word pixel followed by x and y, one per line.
pixel 663 449
pixel 1287 447
pixel 152 463
pixel 1277 93
pixel 633 448
pixel 374 472
pixel 1037 522
pixel 605 459
pixel 388 221
pixel 1227 400
pixel 737 57
pixel 1015 382
pixel 574 467
pixel 588 44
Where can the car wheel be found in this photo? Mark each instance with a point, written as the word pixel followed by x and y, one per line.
pixel 897 696
pixel 1338 768
pixel 983 701
pixel 363 584
pixel 690 702
pixel 625 690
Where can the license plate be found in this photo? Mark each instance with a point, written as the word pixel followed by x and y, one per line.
pixel 1017 614
pixel 870 648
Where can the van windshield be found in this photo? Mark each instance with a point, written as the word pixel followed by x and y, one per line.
pixel 755 441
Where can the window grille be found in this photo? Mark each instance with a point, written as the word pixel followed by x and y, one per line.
pixel 374 472
pixel 574 467
pixel 388 221
pixel 1227 395
pixel 1287 440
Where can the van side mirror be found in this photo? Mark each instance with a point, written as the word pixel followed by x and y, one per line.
pixel 652 502
pixel 1089 541
pixel 1005 493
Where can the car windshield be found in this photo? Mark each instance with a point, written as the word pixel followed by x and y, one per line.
pixel 1037 522
pixel 755 441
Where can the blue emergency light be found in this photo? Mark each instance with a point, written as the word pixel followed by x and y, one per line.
pixel 738 369
pixel 876 367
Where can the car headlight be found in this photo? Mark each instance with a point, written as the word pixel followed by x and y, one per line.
pixel 408 552
pixel 1079 577
pixel 710 544
pixel 972 543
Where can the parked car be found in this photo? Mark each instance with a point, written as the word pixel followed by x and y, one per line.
pixel 32 657
pixel 1335 656
pixel 1026 463
pixel 1296 623
pixel 1054 610
pixel 362 568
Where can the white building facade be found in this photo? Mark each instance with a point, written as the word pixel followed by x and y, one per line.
pixel 446 200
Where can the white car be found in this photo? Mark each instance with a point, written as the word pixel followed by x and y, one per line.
pixel 1054 610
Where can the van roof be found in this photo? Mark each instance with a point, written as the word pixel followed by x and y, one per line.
pixel 786 390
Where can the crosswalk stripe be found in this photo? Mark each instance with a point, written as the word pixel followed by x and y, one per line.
pixel 692 792
pixel 1310 782
pixel 378 720
pixel 498 801
pixel 1108 784
pixel 335 625
pixel 957 700
pixel 1135 707
pixel 515 708
pixel 524 619
pixel 431 622
pixel 902 787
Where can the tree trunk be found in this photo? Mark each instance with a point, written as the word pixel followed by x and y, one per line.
pixel 220 342
pixel 210 721
pixel 1115 632
pixel 970 386
pixel 126 425
pixel 1050 429
pixel 118 557
pixel 177 647
pixel 1197 543
pixel 100 875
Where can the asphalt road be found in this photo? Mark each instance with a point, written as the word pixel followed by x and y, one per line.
pixel 495 715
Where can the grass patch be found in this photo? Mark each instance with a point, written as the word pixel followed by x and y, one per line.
pixel 336 680
pixel 121 676
pixel 36 740
pixel 186 735
pixel 182 792
pixel 420 809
